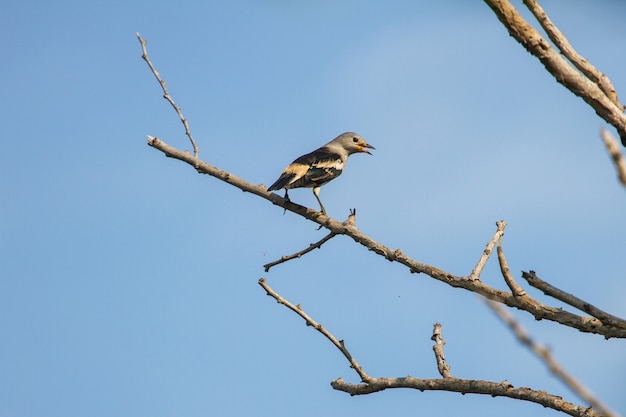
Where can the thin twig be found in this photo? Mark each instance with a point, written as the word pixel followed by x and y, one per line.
pixel 559 40
pixel 475 275
pixel 552 291
pixel 506 274
pixel 616 154
pixel 166 94
pixel 310 322
pixel 285 258
pixel 349 221
pixel 442 366
pixel 546 356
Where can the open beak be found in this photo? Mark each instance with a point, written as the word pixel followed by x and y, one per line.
pixel 363 148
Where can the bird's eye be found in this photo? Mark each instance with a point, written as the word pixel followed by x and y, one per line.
pixel 355 139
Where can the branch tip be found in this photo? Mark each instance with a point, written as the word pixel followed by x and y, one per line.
pixel 600 317
pixel 497 237
pixel 516 290
pixel 616 155
pixel 442 366
pixel 166 94
pixel 285 258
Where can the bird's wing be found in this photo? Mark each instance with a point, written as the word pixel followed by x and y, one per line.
pixel 310 170
pixel 323 166
pixel 292 173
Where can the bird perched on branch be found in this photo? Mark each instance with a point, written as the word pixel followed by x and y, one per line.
pixel 321 166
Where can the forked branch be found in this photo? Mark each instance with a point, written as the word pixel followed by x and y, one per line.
pixel 601 322
pixel 590 85
pixel 371 384
pixel 534 307
pixel 561 42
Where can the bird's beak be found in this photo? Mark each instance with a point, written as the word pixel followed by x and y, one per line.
pixel 363 148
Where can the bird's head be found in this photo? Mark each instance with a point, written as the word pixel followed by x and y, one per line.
pixel 352 143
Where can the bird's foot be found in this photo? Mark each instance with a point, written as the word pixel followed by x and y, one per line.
pixel 287 200
pixel 320 213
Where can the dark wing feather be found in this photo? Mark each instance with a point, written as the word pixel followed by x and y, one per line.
pixel 324 166
pixel 310 170
pixel 284 179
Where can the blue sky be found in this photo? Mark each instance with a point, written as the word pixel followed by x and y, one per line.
pixel 128 282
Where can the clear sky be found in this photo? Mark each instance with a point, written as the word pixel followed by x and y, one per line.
pixel 128 282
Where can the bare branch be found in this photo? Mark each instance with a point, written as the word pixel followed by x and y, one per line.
pixel 546 356
pixel 556 65
pixel 350 221
pixel 548 289
pixel 475 274
pixel 442 366
pixel 506 273
pixel 559 40
pixel 448 383
pixel 312 246
pixel 166 94
pixel 310 322
pixel 616 155
pixel 467 386
pixel 601 95
pixel 534 307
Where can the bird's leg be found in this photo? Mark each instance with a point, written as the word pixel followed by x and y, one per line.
pixel 316 193
pixel 286 197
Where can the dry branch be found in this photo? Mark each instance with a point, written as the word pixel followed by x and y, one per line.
pixel 534 307
pixel 546 356
pixel 310 322
pixel 616 155
pixel 467 386
pixel 602 323
pixel 166 94
pixel 447 383
pixel 348 228
pixel 285 258
pixel 516 290
pixel 478 269
pixel 552 291
pixel 566 74
pixel 561 42
pixel 317 245
pixel 442 366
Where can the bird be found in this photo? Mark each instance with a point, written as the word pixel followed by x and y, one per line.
pixel 321 166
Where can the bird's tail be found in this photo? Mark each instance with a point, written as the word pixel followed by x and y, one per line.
pixel 281 182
